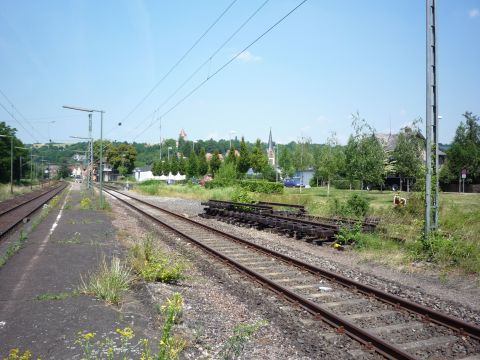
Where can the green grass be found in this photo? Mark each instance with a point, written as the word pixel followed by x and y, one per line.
pixel 152 264
pixel 397 240
pixel 109 282
pixel 242 333
pixel 55 296
pixel 13 248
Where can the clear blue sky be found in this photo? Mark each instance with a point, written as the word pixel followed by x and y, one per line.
pixel 326 61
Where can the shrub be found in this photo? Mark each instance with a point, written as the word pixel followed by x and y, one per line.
pixel 356 205
pixel 241 195
pixel 265 187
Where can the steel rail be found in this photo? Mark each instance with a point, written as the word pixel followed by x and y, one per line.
pixel 41 193
pixel 382 347
pixel 48 195
pixel 451 322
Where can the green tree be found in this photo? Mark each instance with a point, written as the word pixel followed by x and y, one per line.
pixel 243 163
pixel 215 162
pixel 122 154
pixel 285 161
pixel 364 154
pixel 331 161
pixel 303 154
pixel 63 171
pixel 173 164
pixel 202 163
pixel 258 158
pixel 226 174
pixel 408 154
pixel 192 165
pixel 465 150
pixel 5 147
pixel 157 168
pixel 231 158
pixel 182 165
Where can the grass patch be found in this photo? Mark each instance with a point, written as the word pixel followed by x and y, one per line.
pixel 109 282
pixel 13 248
pixel 56 296
pixel 152 264
pixel 242 333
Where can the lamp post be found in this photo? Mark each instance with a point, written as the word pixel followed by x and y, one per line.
pixel 11 161
pixel 90 173
pixel 101 145
pixel 24 148
pixel 193 146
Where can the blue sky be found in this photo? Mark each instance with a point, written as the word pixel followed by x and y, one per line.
pixel 305 78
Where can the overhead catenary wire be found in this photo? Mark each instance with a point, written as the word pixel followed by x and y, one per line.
pixel 21 115
pixel 14 118
pixel 207 61
pixel 195 89
pixel 177 63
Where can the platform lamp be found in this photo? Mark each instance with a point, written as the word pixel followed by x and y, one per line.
pixel 31 149
pixel 11 161
pixel 101 144
pixel 90 176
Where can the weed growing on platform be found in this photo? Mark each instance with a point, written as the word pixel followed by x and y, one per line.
pixel 56 296
pixel 153 265
pixel 15 354
pixel 86 203
pixel 169 346
pixel 109 282
pixel 242 333
pixel 13 248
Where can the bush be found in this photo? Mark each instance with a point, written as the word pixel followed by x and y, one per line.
pixel 356 205
pixel 265 187
pixel 345 184
pixel 241 195
pixel 226 174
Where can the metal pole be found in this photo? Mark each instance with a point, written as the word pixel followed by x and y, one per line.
pixel 436 117
pixel 11 164
pixel 160 138
pixel 20 178
pixel 90 173
pixel 101 160
pixel 430 102
pixel 31 168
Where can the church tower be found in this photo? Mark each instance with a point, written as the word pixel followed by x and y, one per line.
pixel 270 150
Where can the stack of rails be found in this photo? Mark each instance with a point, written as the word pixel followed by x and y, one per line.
pixel 297 224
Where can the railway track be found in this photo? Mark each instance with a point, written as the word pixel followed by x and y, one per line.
pixel 16 210
pixel 386 324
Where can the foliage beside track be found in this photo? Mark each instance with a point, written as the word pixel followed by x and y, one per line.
pixel 397 240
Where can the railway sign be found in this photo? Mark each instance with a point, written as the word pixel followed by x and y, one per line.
pixel 464 173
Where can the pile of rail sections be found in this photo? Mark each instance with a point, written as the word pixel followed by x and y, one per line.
pixel 286 219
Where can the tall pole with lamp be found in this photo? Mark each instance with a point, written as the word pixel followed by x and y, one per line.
pixel 100 171
pixel 11 161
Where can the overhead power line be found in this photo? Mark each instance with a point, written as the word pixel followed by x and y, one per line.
pixel 195 89
pixel 14 118
pixel 178 62
pixel 21 115
pixel 207 61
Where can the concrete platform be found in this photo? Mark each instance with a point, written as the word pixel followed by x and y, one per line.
pixel 67 245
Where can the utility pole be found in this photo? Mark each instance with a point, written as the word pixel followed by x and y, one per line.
pixel 431 123
pixel 160 139
pixel 90 177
